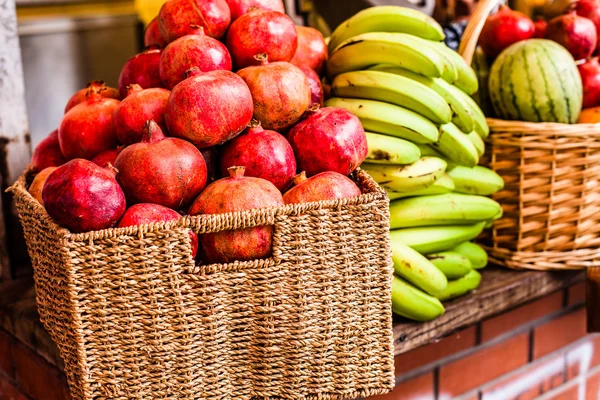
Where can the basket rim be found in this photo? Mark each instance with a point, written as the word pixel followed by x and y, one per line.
pixel 547 128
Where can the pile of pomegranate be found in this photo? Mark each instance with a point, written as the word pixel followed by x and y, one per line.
pixel 220 113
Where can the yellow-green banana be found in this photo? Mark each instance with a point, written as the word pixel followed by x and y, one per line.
pixel 433 239
pixel 417 269
pixel 456 146
pixel 412 303
pixel 466 78
pixel 407 178
pixel 476 180
pixel 477 142
pixel 443 185
pixel 449 70
pixel 441 209
pixel 384 149
pixel 452 264
pixel 481 126
pixel 475 253
pixel 395 89
pixel 380 117
pixel 461 286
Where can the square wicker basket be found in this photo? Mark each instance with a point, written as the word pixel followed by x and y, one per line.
pixel 134 317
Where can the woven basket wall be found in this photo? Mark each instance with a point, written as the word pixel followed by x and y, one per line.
pixel 134 317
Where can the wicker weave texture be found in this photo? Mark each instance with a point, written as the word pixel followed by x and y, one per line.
pixel 134 317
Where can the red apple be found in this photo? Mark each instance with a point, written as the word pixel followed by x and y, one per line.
pixel 503 29
pixel 311 50
pixel 590 77
pixel 576 34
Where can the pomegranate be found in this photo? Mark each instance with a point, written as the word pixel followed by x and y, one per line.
pixel 152 36
pixel 264 154
pixel 312 50
pixel 193 50
pixel 329 139
pixel 503 29
pixel 100 86
pixel 35 189
pixel 139 106
pixel 211 157
pixel 82 196
pixel 540 28
pixel 314 82
pixel 589 9
pixel 327 185
pixel 209 108
pixel 237 193
pixel 240 7
pixel 590 77
pixel 146 213
pixel 280 92
pixel 107 158
pixel 88 129
pixel 159 170
pixel 576 34
pixel 261 31
pixel 47 153
pixel 176 17
pixel 142 69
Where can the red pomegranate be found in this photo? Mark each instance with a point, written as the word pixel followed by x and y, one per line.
pixel 576 34
pixel 540 28
pixel 264 154
pixel 590 77
pixel 261 31
pixel 139 106
pixel 35 189
pixel 211 157
pixel 503 29
pixel 159 170
pixel 240 7
pixel 152 36
pixel 329 139
pixel 327 185
pixel 98 86
pixel 146 213
pixel 82 196
pixel 88 129
pixel 280 92
pixel 312 50
pixel 194 50
pixel 237 193
pixel 47 153
pixel 209 108
pixel 142 69
pixel 316 88
pixel 589 9
pixel 176 18
pixel 107 158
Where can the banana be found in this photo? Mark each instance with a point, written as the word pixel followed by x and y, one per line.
pixel 433 239
pixel 417 269
pixel 395 89
pixel 399 49
pixel 466 78
pixel 380 117
pixel 480 123
pixel 477 142
pixel 474 252
pixel 441 209
pixel 443 185
pixel 456 146
pixel 452 264
pixel 412 303
pixel 427 150
pixel 460 286
pixel 387 19
pixel 476 180
pixel 462 115
pixel 449 70
pixel 407 178
pixel 385 149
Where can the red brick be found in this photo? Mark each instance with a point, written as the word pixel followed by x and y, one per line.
pixel 418 388
pixel 569 391
pixel 483 366
pixel 576 294
pixel 9 392
pixel 445 347
pixel 6 367
pixel 592 386
pixel 558 333
pixel 586 355
pixel 508 321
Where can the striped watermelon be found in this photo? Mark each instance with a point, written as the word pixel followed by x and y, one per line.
pixel 536 80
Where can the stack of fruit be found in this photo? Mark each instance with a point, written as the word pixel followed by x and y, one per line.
pixel 389 66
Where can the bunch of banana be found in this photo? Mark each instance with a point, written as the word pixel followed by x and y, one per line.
pixel 388 65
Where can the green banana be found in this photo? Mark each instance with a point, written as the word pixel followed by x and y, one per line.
pixel 433 239
pixel 399 49
pixel 395 89
pixel 456 146
pixel 474 252
pixel 477 142
pixel 452 264
pixel 460 286
pixel 407 178
pixel 380 117
pixel 441 209
pixel 476 180
pixel 443 185
pixel 417 269
pixel 384 149
pixel 462 115
pixel 449 70
pixel 427 150
pixel 387 19
pixel 481 126
pixel 412 303
pixel 466 78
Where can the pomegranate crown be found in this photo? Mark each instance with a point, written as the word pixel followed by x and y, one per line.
pixel 263 58
pixel 152 132
pixel 298 179
pixel 236 172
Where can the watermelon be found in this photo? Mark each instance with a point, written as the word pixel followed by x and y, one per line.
pixel 536 80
